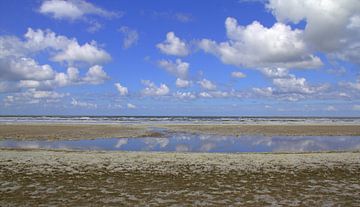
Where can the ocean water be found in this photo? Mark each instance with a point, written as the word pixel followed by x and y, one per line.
pixel 179 120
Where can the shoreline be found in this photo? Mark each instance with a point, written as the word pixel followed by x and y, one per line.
pixel 51 131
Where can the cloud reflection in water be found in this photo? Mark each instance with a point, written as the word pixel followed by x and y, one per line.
pixel 182 142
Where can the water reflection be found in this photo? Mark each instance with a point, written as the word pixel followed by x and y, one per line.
pixel 202 143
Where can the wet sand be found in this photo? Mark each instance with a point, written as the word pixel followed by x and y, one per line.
pixel 72 132
pixel 270 130
pixel 91 131
pixel 81 178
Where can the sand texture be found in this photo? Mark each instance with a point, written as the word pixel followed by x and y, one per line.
pixel 269 130
pixel 83 178
pixel 72 132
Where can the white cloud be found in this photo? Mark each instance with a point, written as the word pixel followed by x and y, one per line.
pixel 206 84
pixel 95 75
pixel 275 72
pixel 94 26
pixel 330 108
pixel 73 9
pixel 24 69
pixel 18 70
pixel 89 53
pixel 131 106
pixel 238 74
pixel 37 40
pixel 131 36
pixel 215 94
pixel 205 95
pixel 184 95
pixel 257 46
pixel 352 85
pixel 121 89
pixel 68 50
pixel 267 92
pixel 178 68
pixel 331 26
pixel 180 83
pixel 33 96
pixel 83 104
pixel 152 90
pixel 292 84
pixel 287 86
pixel 173 45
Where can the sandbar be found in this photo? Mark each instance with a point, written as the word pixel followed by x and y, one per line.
pixel 43 131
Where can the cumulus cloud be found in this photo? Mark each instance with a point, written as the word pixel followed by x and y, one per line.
pixel 180 83
pixel 331 26
pixel 287 86
pixel 67 50
pixel 83 104
pixel 131 36
pixel 152 90
pixel 184 95
pixel 238 74
pixel 178 68
pixel 275 72
pixel 207 84
pixel 33 96
pixel 18 69
pixel 131 106
pixel 24 69
pixel 257 46
pixel 88 53
pixel 352 85
pixel 73 9
pixel 95 75
pixel 173 46
pixel 121 89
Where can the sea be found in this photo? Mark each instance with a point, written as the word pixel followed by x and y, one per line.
pixel 179 119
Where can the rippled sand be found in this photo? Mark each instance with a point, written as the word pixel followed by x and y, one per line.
pixel 82 178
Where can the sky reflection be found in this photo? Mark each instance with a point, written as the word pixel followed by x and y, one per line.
pixel 202 143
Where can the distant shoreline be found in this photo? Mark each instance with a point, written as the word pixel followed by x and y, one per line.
pixel 74 131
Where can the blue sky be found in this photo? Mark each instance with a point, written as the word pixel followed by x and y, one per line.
pixel 276 57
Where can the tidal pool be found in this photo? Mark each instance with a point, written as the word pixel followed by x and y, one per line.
pixel 183 142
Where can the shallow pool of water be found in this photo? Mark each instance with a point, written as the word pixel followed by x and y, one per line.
pixel 181 142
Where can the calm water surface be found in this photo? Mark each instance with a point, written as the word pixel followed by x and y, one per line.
pixel 182 142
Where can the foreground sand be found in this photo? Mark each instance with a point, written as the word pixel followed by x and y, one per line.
pixel 81 178
pixel 92 131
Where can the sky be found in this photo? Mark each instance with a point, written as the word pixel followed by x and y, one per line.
pixel 180 57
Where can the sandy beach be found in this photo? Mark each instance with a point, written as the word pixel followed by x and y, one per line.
pixel 42 177
pixel 43 131
pixel 72 132
pixel 270 130
pixel 38 177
